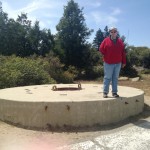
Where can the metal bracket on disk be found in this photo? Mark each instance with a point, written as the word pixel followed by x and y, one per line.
pixel 54 88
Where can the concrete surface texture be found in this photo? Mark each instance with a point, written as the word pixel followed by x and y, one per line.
pixel 132 138
pixel 41 107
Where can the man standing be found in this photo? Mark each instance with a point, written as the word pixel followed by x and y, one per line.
pixel 112 49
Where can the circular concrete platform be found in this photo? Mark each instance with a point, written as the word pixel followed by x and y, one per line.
pixel 40 107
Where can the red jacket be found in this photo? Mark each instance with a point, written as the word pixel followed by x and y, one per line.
pixel 113 53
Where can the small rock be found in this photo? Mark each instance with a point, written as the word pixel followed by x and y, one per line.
pixel 123 78
pixel 135 79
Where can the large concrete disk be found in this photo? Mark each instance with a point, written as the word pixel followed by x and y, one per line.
pixel 40 107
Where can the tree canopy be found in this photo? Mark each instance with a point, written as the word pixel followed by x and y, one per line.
pixel 20 38
pixel 72 34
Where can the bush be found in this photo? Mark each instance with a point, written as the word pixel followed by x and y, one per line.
pixel 74 71
pixel 16 71
pixel 94 72
pixel 145 71
pixel 66 77
pixel 57 71
pixel 129 70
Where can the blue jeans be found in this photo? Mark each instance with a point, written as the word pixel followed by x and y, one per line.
pixel 111 74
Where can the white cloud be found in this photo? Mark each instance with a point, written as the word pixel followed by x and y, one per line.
pixel 105 17
pixel 41 10
pixel 49 12
pixel 9 10
pixel 41 5
pixel 111 20
pixel 93 4
pixel 116 11
pixel 33 6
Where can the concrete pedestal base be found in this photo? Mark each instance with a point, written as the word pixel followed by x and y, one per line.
pixel 41 107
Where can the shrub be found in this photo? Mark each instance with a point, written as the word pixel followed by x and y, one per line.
pixel 145 71
pixel 74 71
pixel 66 77
pixel 57 71
pixel 94 72
pixel 16 71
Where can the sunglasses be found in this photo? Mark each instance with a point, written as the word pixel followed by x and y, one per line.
pixel 113 31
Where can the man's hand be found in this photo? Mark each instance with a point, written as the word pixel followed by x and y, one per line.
pixel 123 65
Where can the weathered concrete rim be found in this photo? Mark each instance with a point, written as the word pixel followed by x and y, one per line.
pixel 40 107
pixel 93 92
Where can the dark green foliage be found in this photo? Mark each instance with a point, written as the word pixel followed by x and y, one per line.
pixel 93 65
pixel 99 37
pixel 146 61
pixel 145 71
pixel 65 77
pixel 106 32
pixel 72 35
pixel 129 70
pixel 139 56
pixel 57 71
pixel 20 38
pixel 136 56
pixel 16 71
pixel 94 72
pixel 3 22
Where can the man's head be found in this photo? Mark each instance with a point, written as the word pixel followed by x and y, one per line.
pixel 113 32
pixel 112 29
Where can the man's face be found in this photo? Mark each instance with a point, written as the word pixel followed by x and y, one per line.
pixel 113 33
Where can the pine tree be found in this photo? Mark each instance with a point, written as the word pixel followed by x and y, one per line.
pixel 99 37
pixel 106 32
pixel 72 34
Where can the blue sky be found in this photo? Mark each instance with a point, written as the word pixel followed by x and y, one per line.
pixel 131 17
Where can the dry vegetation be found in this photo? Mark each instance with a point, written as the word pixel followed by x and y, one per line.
pixel 143 83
